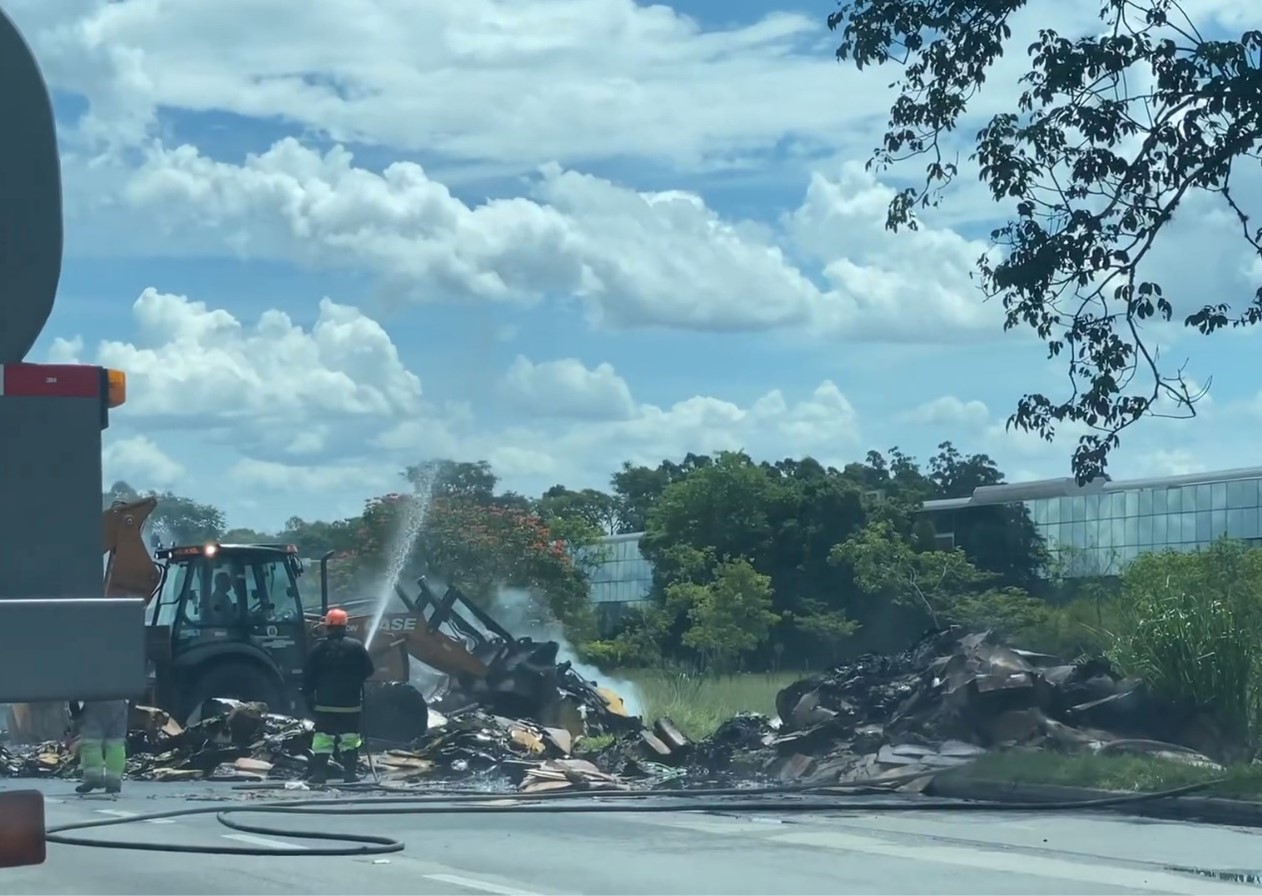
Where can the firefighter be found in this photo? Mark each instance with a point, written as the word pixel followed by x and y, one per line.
pixel 102 729
pixel 333 686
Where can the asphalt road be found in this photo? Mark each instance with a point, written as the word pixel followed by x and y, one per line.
pixel 839 851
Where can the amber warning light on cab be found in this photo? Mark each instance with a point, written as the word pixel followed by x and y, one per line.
pixel 115 388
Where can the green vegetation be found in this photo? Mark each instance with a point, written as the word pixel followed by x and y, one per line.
pixel 698 704
pixel 1103 772
pixel 761 567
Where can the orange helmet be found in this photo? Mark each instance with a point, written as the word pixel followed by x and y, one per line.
pixel 336 618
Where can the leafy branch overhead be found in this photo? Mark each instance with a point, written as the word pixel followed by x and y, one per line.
pixel 1112 133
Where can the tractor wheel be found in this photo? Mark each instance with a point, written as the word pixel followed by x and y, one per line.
pixel 394 713
pixel 236 680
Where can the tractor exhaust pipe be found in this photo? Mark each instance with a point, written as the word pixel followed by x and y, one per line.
pixel 324 583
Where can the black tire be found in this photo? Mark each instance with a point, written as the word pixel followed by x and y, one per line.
pixel 237 680
pixel 394 713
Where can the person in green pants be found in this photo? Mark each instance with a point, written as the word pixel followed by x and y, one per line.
pixel 102 726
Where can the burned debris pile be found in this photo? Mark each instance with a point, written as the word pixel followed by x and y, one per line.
pixel 244 742
pixel 896 720
pixel 955 695
pixel 949 699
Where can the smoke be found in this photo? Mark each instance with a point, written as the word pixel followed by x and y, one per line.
pixel 527 617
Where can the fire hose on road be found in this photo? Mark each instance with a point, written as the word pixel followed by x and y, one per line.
pixel 760 800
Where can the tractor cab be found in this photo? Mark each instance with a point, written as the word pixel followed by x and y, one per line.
pixel 232 602
pixel 227 587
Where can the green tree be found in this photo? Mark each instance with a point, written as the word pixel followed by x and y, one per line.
pixel 483 548
pixel 997 538
pixel 728 617
pixel 442 478
pixel 176 519
pixel 244 535
pixel 946 586
pixel 887 565
pixel 783 518
pixel 1112 132
pixel 724 506
pixel 315 539
pixel 597 510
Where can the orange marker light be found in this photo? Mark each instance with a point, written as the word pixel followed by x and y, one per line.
pixel 117 386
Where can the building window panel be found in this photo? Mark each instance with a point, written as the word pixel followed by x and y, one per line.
pixel 1104 533
pixel 1143 531
pixel 1139 503
pixel 1243 493
pixel 1218 496
pixel 1217 523
pixel 1173 501
pixel 1236 526
pixel 1252 523
pixel 1091 507
pixel 1138 530
pixel 1160 529
pixel 1052 510
pixel 1038 512
pixel 1203 498
pixel 1204 527
pixel 1078 535
pixel 1187 527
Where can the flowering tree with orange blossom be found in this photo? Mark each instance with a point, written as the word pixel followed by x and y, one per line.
pixel 480 546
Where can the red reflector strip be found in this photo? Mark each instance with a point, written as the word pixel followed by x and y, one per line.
pixel 50 381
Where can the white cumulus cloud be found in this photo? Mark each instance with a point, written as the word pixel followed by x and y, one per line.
pixel 568 389
pixel 138 461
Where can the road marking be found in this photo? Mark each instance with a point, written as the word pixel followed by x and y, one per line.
pixel 470 884
pixel 269 842
pixel 999 857
pixel 123 813
pixel 1010 862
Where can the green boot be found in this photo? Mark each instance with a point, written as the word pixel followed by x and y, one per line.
pixel 92 761
pixel 115 765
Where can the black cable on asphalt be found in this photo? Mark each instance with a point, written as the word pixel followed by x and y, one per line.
pixel 567 802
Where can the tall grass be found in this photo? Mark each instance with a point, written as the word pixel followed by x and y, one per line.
pixel 1193 632
pixel 698 704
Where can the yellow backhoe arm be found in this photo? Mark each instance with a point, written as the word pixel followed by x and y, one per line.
pixel 131 571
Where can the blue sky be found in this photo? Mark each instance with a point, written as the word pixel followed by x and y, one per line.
pixel 661 211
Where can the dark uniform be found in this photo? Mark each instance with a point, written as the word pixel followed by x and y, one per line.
pixel 333 686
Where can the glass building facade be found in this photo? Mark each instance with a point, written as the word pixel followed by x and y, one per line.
pixel 1099 528
pixel 621 580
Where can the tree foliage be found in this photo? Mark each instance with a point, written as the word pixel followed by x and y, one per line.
pixel 729 616
pixel 176 520
pixel 745 555
pixel 1111 134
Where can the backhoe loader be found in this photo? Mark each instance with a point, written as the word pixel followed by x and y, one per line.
pixel 228 620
